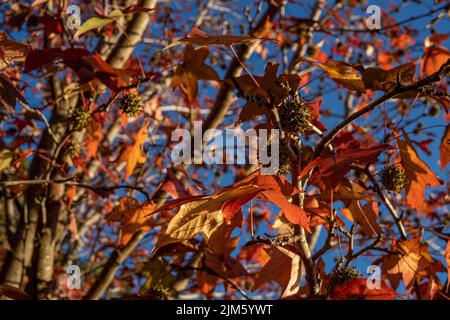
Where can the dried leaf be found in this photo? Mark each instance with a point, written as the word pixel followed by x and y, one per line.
pixel 200 38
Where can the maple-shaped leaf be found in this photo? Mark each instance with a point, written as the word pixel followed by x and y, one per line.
pixel 132 154
pixel 357 289
pixel 418 174
pixel 366 216
pixel 199 215
pixel 205 214
pixel 433 58
pixel 193 69
pixel 133 217
pixel 283 267
pixel 335 165
pixel 444 148
pixel 200 38
pixel 406 263
pixel 269 86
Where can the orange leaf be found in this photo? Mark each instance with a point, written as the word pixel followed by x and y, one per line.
pixel 418 173
pixel 132 216
pixel 365 216
pixel 433 58
pixel 94 131
pixel 407 263
pixel 444 148
pixel 132 153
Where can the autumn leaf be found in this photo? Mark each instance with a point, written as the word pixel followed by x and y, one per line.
pixel 283 267
pixel 268 87
pixel 357 289
pixel 334 166
pixel 9 94
pixel 200 38
pixel 444 148
pixel 433 58
pixel 386 80
pixel 406 263
pixel 193 69
pixel 11 51
pixel 132 154
pixel 418 174
pixel 341 72
pixel 203 215
pixel 98 22
pixel 366 216
pixel 133 217
pixel 95 137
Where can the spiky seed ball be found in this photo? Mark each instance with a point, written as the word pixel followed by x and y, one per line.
pixel 73 149
pixel 393 178
pixel 284 162
pixel 342 275
pixel 295 115
pixel 131 104
pixel 158 292
pixel 80 118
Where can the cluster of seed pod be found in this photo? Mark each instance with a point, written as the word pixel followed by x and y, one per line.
pixel 342 275
pixel 131 104
pixel 80 118
pixel 393 178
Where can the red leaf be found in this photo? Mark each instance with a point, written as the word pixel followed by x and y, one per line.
pixel 357 289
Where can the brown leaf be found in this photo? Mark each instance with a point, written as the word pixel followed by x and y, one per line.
pixel 200 38
pixel 10 50
pixel 9 94
pixel 418 173
pixel 13 293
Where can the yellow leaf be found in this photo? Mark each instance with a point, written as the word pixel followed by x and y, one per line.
pixel 98 22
